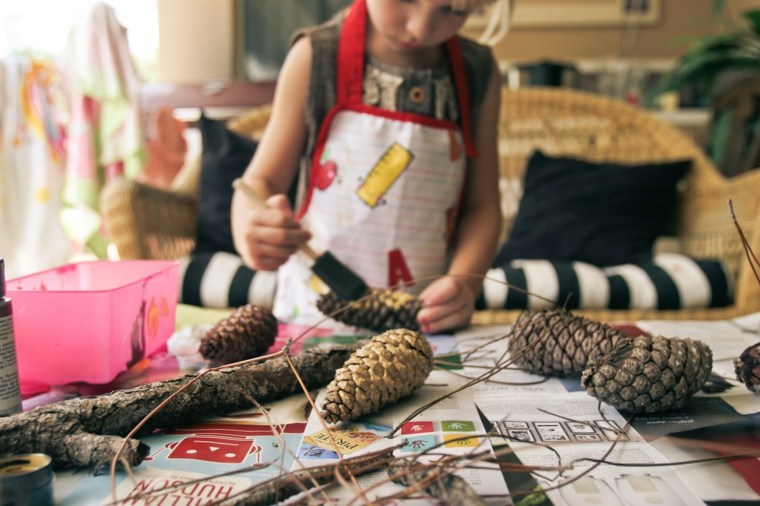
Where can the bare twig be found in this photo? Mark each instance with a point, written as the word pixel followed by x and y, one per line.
pixel 290 484
pixel 751 258
pixel 483 377
pixel 436 481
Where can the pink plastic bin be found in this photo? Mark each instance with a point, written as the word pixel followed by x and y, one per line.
pixel 89 321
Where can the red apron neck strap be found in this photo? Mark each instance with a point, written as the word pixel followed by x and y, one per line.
pixel 456 60
pixel 350 63
pixel 350 68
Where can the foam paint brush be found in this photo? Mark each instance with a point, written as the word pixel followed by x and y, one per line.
pixel 344 282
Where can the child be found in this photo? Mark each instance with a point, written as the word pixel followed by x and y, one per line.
pixel 393 118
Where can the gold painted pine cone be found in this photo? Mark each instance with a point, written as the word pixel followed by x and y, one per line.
pixel 649 374
pixel 390 366
pixel 557 342
pixel 247 333
pixel 378 311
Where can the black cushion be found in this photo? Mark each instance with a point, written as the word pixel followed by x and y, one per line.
pixel 600 213
pixel 225 157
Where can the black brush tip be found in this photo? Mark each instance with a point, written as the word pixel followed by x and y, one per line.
pixel 335 274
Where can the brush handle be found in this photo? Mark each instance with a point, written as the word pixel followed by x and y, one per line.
pixel 239 184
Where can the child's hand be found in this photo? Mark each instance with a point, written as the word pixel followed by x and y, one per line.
pixel 448 303
pixel 273 234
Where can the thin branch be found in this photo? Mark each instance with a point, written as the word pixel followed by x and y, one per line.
pixel 751 258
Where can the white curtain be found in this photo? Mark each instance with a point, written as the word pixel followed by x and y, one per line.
pixel 32 119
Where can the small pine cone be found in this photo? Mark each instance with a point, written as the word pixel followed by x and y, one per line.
pixel 390 366
pixel 247 333
pixel 557 342
pixel 747 368
pixel 649 374
pixel 378 311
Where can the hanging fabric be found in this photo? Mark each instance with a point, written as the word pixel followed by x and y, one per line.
pixel 105 134
pixel 32 140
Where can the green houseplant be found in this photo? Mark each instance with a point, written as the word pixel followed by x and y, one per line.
pixel 711 57
pixel 724 68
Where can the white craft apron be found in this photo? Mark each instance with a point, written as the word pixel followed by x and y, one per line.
pixel 384 187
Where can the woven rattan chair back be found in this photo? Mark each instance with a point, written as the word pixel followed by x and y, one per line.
pixel 564 122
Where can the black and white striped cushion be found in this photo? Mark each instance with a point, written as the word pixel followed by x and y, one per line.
pixel 221 280
pixel 669 281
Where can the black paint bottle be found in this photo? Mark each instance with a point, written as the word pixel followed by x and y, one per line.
pixel 10 391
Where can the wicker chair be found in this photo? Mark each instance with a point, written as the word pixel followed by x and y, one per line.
pixel 147 223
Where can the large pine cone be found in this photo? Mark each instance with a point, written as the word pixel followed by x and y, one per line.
pixel 747 368
pixel 378 311
pixel 557 342
pixel 390 366
pixel 649 374
pixel 247 333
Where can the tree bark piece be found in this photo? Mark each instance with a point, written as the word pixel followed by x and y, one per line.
pixel 88 431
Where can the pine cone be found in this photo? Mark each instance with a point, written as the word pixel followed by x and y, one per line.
pixel 390 366
pixel 557 342
pixel 747 368
pixel 649 374
pixel 247 333
pixel 378 311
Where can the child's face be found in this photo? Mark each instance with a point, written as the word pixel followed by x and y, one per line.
pixel 413 25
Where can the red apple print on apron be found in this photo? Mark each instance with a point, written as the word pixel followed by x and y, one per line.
pixel 326 173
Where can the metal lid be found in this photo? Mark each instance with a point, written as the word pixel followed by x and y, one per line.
pixel 26 479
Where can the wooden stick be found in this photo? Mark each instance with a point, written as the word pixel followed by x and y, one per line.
pixel 289 484
pixel 239 184
pixel 751 258
pixel 88 431
pixel 436 481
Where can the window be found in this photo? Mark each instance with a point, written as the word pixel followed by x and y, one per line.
pixel 269 25
pixel 24 28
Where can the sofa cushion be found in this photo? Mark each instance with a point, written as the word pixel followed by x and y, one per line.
pixel 599 213
pixel 221 280
pixel 225 157
pixel 667 281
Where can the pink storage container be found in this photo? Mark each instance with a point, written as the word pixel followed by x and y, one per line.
pixel 90 321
